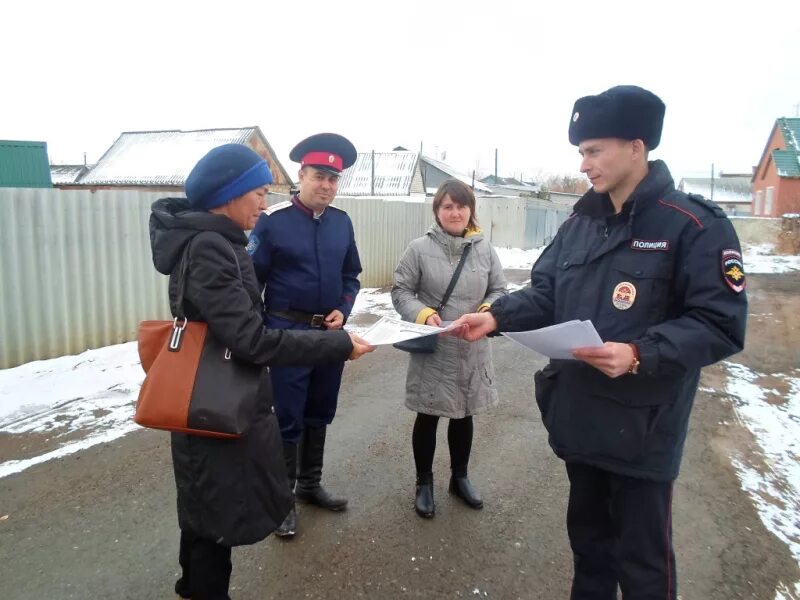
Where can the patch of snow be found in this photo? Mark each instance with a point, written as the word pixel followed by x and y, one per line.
pixel 760 258
pixel 774 484
pixel 516 258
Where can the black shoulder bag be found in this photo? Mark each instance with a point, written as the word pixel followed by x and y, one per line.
pixel 427 344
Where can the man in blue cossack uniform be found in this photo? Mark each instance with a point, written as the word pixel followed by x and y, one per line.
pixel 305 257
pixel 660 275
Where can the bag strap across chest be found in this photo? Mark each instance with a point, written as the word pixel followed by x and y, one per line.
pixel 454 278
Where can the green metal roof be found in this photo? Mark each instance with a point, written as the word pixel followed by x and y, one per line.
pixel 24 164
pixel 787 162
pixel 790 127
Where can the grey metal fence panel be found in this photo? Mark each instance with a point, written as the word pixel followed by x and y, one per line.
pixel 76 269
pixel 383 229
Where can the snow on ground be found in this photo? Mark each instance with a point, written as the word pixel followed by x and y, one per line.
pixel 74 401
pixel 515 258
pixel 760 259
pixel 773 416
pixel 372 301
pixel 771 476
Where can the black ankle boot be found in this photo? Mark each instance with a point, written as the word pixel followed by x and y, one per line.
pixel 461 487
pixel 424 503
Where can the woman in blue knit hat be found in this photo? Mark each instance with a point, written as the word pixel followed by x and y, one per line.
pixel 230 492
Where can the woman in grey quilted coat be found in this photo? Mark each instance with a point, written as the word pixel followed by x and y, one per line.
pixel 457 380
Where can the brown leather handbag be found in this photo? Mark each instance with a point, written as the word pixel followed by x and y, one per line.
pixel 193 383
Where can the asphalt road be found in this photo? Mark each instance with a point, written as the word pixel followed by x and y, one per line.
pixel 101 524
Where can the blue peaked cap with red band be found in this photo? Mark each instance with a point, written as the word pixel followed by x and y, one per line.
pixel 225 173
pixel 327 151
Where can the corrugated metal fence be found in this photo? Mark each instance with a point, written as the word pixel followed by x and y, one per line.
pixel 76 269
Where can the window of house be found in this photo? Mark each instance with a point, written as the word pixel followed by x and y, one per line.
pixel 769 200
pixel 759 201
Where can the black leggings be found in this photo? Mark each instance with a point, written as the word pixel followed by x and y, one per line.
pixel 459 439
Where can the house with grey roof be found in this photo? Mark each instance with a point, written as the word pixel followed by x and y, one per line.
pixel 510 186
pixel 730 191
pixel 67 174
pixel 161 160
pixel 384 174
pixel 435 172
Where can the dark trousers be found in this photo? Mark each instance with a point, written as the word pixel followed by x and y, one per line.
pixel 305 397
pixel 620 530
pixel 206 569
pixel 459 439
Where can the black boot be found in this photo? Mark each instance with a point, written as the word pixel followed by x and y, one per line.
pixel 288 528
pixel 461 487
pixel 309 476
pixel 424 504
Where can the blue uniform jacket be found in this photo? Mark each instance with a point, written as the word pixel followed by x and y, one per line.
pixel 664 274
pixel 305 264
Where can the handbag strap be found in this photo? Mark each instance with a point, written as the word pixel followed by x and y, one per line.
pixel 454 278
pixel 183 269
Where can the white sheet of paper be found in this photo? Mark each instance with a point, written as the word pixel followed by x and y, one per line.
pixel 558 341
pixel 390 330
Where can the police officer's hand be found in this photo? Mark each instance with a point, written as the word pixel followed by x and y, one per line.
pixel 334 319
pixel 612 358
pixel 434 320
pixel 474 326
pixel 360 346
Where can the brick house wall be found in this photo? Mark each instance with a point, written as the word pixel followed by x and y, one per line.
pixel 774 196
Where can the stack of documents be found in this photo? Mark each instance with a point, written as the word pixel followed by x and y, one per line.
pixel 558 341
pixel 390 331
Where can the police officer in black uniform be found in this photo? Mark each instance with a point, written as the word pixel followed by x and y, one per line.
pixel 660 275
pixel 305 257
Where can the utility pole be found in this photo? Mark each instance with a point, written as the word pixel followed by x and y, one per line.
pixel 712 182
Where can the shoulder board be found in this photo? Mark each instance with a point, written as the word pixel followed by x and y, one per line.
pixel 708 204
pixel 278 206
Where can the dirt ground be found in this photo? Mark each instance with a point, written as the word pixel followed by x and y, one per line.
pixel 101 523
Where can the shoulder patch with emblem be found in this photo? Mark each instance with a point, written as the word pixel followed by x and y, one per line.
pixel 279 206
pixel 733 270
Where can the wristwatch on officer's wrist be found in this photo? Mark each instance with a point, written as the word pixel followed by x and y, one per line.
pixel 634 368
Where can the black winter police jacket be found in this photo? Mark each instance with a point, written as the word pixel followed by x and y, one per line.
pixel 665 274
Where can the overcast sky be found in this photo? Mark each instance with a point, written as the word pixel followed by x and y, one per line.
pixel 457 76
